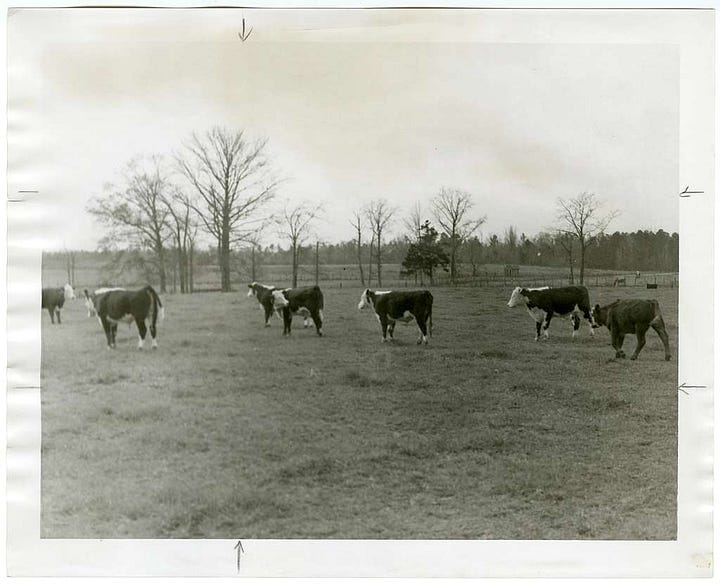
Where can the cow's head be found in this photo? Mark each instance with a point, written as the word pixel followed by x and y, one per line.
pixel 252 292
pixel 279 300
pixel 517 297
pixel 600 315
pixel 365 299
pixel 69 292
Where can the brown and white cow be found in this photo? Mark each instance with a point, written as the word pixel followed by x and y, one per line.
pixel 53 299
pixel 299 301
pixel 140 306
pixel 90 299
pixel 264 296
pixel 632 317
pixel 393 306
pixel 543 303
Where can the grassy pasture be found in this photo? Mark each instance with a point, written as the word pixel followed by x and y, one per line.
pixel 230 430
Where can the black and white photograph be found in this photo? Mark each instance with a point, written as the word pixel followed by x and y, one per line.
pixel 360 280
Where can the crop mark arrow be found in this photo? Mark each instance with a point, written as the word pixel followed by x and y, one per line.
pixel 686 192
pixel 682 387
pixel 240 550
pixel 244 36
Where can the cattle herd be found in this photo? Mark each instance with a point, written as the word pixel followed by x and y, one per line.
pixel 143 306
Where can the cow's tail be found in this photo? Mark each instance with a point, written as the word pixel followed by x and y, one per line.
pixel 657 314
pixel 430 316
pixel 156 305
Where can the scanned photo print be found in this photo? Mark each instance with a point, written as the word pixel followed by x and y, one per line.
pixel 307 280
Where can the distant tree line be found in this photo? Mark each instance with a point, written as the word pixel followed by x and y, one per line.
pixel 211 203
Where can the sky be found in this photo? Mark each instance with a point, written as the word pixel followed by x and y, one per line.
pixel 517 108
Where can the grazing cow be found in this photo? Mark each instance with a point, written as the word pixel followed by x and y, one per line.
pixel 543 303
pixel 53 300
pixel 116 305
pixel 393 306
pixel 303 301
pixel 632 317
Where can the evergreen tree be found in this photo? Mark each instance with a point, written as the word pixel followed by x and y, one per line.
pixel 425 255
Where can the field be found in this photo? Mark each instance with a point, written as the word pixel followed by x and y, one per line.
pixel 230 430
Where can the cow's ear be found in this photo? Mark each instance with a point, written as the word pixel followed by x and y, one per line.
pixel 597 306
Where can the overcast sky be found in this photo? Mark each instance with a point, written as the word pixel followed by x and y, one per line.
pixel 356 105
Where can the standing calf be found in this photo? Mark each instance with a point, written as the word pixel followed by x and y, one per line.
pixel 632 317
pixel 392 306
pixel 115 305
pixel 293 301
pixel 53 300
pixel 543 303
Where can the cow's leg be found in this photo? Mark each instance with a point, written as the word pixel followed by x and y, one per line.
pixel 384 325
pixel 107 327
pixel 113 333
pixel 51 311
pixel 142 331
pixel 422 324
pixel 317 319
pixel 640 330
pixel 538 326
pixel 391 330
pixel 287 321
pixel 617 343
pixel 659 327
pixel 57 312
pixel 575 318
pixel 587 315
pixel 153 334
pixel 548 316
pixel 268 314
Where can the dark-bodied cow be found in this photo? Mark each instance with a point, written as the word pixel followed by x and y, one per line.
pixel 393 306
pixel 91 299
pixel 53 300
pixel 264 296
pixel 543 303
pixel 115 305
pixel 303 301
pixel 632 317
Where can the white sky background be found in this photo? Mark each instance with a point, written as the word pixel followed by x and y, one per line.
pixel 354 109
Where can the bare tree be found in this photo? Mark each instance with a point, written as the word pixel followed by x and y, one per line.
pixel 451 208
pixel 231 176
pixel 135 212
pixel 357 223
pixel 183 225
pixel 379 215
pixel 579 218
pixel 565 241
pixel 414 222
pixel 295 223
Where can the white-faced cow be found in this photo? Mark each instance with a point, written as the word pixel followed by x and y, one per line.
pixel 53 300
pixel 543 303
pixel 393 306
pixel 117 305
pixel 264 296
pixel 302 301
pixel 632 317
